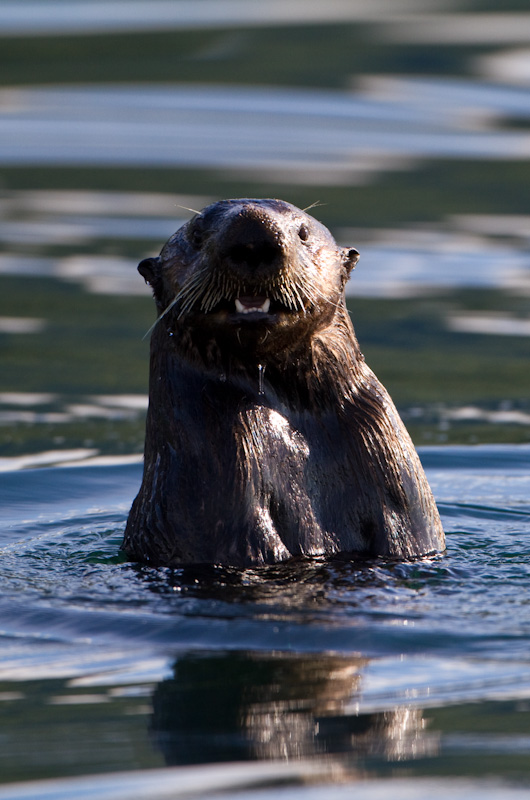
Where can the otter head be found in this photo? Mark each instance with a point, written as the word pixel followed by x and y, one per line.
pixel 253 274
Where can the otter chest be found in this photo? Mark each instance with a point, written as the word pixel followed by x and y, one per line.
pixel 269 448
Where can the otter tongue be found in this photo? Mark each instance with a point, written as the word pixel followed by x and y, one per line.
pixel 246 305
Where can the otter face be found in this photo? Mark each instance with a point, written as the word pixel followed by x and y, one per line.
pixel 250 266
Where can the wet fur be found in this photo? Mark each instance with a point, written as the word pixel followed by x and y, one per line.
pixel 268 437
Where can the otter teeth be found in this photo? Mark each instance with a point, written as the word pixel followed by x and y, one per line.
pixel 249 305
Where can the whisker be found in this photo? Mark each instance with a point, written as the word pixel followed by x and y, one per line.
pixel 193 210
pixel 316 204
pixel 189 299
pixel 298 296
pixel 210 298
pixel 322 296
pixel 163 314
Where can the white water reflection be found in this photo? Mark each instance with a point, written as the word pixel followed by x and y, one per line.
pixel 454 29
pixel 411 262
pixel 409 682
pixel 21 325
pixel 46 459
pixel 321 136
pixel 510 66
pixel 461 103
pixel 72 202
pixel 76 230
pixel 492 324
pixel 503 416
pixel 47 17
pixel 253 781
pixel 30 408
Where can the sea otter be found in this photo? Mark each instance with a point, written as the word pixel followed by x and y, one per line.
pixel 268 437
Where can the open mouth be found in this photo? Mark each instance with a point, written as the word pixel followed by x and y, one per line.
pixel 252 305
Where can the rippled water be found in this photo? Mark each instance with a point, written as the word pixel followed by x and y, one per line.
pixel 378 670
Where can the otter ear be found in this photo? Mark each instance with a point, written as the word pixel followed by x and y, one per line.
pixel 350 257
pixel 149 269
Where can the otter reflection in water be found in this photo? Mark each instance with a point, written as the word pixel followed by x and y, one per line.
pixel 267 436
pixel 237 706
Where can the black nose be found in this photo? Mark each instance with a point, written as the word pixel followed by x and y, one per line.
pixel 253 254
pixel 251 242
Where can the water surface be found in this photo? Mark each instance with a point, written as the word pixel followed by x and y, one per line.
pixel 380 670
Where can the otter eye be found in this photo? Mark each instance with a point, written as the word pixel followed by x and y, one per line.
pixel 196 237
pixel 196 232
pixel 303 232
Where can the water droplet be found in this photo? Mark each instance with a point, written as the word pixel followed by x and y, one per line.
pixel 222 377
pixel 261 376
